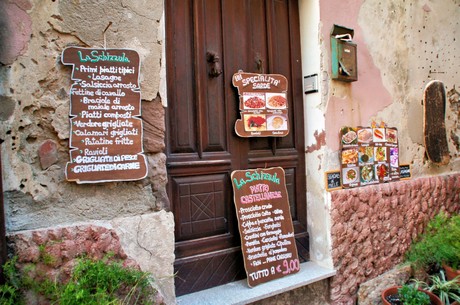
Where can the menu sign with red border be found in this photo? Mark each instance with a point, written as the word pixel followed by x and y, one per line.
pixel 265 224
pixel 263 105
pixel 369 156
pixel 105 105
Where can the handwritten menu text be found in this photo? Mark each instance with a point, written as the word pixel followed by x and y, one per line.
pixel 265 224
pixel 105 105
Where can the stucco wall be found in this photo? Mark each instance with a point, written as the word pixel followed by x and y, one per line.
pixel 401 46
pixel 34 127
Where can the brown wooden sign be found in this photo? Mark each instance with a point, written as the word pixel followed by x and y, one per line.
pixel 263 105
pixel 434 123
pixel 265 224
pixel 369 155
pixel 105 105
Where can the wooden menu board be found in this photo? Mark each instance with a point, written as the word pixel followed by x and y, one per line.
pixel 369 156
pixel 265 224
pixel 105 105
pixel 263 105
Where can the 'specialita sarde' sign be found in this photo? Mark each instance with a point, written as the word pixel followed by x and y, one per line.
pixel 105 105
pixel 265 224
pixel 263 105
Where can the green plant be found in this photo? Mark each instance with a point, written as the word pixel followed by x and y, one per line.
pixel 45 257
pixel 92 282
pixel 97 282
pixel 440 243
pixel 410 295
pixel 10 292
pixel 446 290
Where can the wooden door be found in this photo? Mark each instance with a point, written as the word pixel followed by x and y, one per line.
pixel 202 148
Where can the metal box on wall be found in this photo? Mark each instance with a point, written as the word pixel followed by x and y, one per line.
pixel 344 57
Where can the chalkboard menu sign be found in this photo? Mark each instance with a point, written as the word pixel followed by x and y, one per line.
pixel 405 171
pixel 333 180
pixel 263 105
pixel 105 105
pixel 369 155
pixel 265 224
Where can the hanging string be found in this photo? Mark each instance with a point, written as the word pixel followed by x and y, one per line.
pixel 106 28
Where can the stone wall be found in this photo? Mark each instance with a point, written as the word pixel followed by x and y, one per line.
pixel 52 254
pixel 373 227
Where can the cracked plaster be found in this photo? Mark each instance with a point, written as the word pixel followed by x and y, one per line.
pixel 150 239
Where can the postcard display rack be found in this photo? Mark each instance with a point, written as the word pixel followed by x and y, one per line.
pixel 368 156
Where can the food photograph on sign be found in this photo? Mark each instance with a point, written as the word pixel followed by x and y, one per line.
pixel 350 156
pixel 276 101
pixel 255 122
pixel 350 175
pixel 379 135
pixel 367 173
pixel 380 154
pixel 392 135
pixel 349 136
pixel 368 155
pixel 277 122
pixel 394 156
pixel 253 100
pixel 365 135
pixel 382 172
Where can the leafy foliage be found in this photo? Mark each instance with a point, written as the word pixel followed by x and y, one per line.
pixel 92 282
pixel 10 292
pixel 439 244
pixel 98 282
pixel 410 295
pixel 447 291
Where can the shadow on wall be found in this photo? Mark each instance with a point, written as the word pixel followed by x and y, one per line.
pixel 4 33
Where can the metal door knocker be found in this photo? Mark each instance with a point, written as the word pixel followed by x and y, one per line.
pixel 213 59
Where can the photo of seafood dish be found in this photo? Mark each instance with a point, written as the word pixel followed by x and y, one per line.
pixel 350 175
pixel 349 137
pixel 392 135
pixel 254 101
pixel 381 171
pixel 380 154
pixel 366 154
pixel 367 173
pixel 365 135
pixel 276 100
pixel 379 134
pixel 255 122
pixel 350 156
pixel 277 122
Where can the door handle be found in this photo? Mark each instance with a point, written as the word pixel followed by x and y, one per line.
pixel 259 63
pixel 214 60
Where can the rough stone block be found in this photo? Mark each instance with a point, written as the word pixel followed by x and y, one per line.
pixel 154 126
pixel 369 292
pixel 48 153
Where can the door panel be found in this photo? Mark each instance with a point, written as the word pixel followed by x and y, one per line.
pixel 260 36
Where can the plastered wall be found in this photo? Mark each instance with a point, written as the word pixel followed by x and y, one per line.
pixel 402 46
